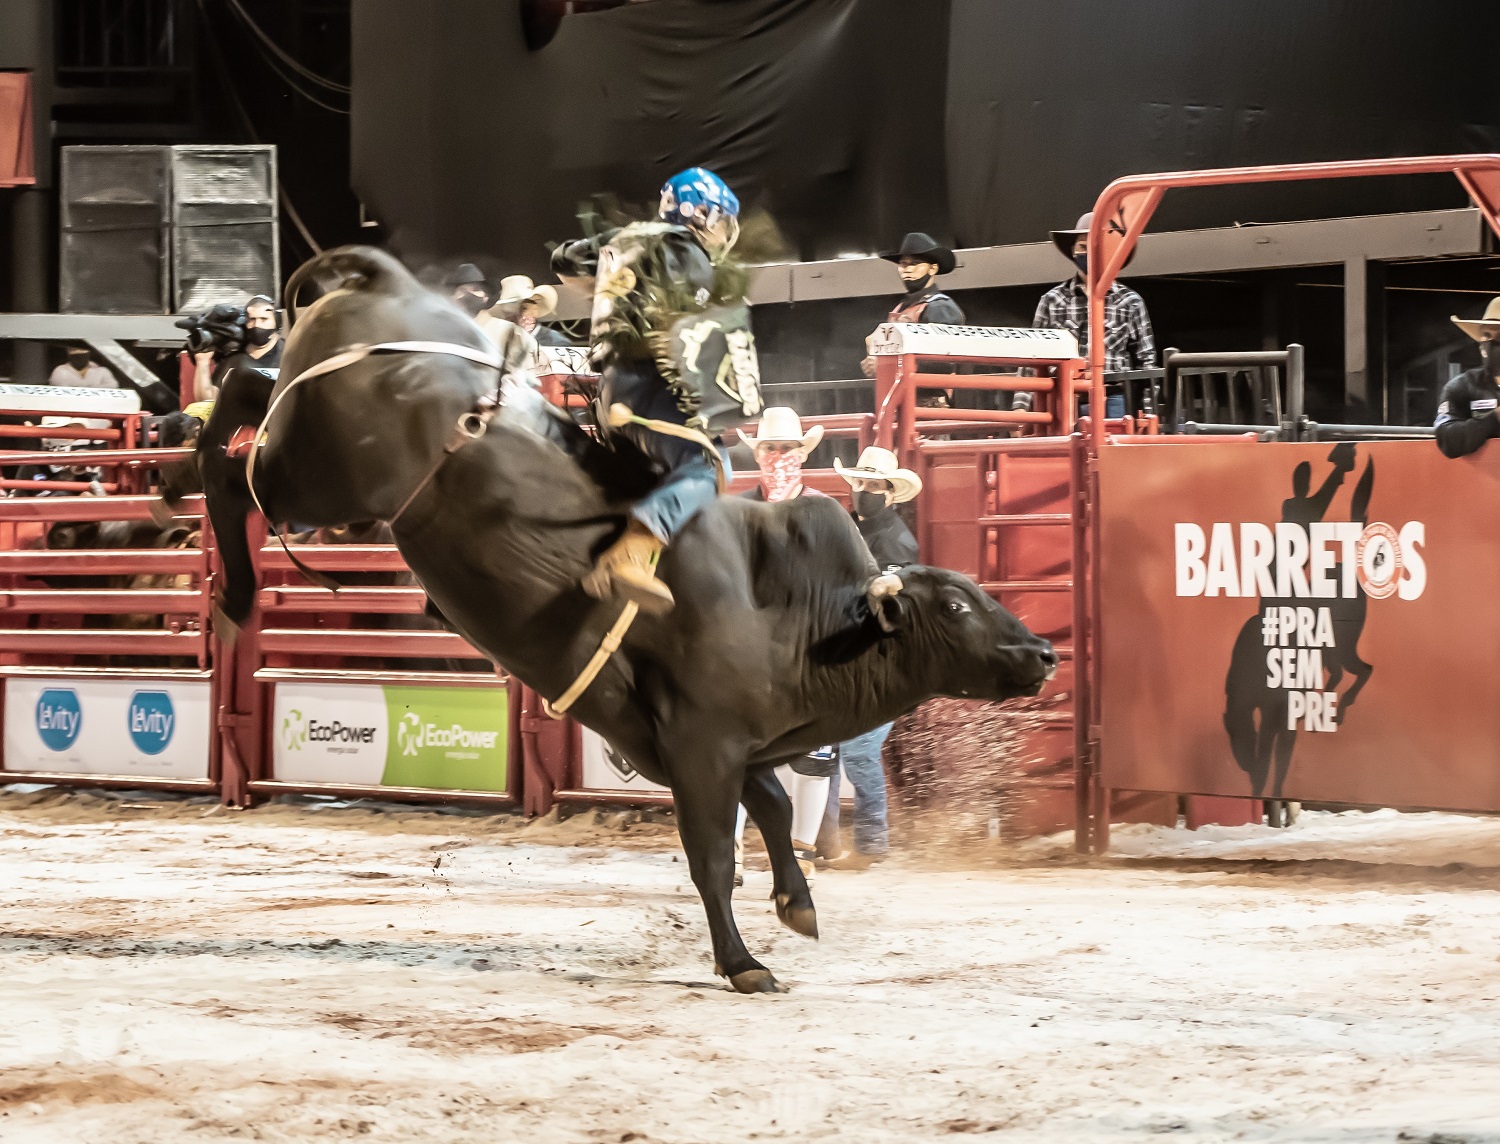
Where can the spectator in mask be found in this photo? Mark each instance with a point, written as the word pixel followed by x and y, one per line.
pixel 82 370
pixel 919 260
pixel 467 289
pixel 262 351
pixel 1128 340
pixel 1469 409
pixel 781 447
pixel 526 304
pixel 876 485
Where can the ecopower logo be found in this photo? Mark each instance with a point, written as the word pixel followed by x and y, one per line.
pixel 332 735
pixel 415 735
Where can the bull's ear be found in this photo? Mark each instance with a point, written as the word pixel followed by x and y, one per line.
pixel 886 602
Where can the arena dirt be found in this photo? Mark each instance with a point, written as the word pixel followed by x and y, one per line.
pixel 176 972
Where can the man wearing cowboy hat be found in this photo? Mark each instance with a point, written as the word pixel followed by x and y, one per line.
pixel 919 261
pixel 781 447
pixel 466 289
pixel 1128 339
pixel 876 485
pixel 526 304
pixel 1468 412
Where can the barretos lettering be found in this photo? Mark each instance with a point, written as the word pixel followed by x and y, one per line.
pixel 1322 560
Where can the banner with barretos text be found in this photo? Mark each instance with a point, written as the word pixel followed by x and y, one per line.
pixel 1313 622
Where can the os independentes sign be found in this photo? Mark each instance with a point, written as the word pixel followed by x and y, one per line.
pixel 445 738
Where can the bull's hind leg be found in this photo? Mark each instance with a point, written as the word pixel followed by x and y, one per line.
pixel 705 821
pixel 766 800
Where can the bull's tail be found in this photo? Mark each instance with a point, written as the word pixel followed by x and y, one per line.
pixel 359 267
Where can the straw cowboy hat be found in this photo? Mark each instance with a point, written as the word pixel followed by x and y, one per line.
pixel 877 464
pixel 1486 327
pixel 519 288
pixel 923 246
pixel 779 423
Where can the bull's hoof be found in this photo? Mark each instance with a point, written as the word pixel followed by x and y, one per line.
pixel 226 629
pixel 798 919
pixel 162 514
pixel 756 981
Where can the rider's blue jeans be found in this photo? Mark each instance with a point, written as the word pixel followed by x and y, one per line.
pixel 690 482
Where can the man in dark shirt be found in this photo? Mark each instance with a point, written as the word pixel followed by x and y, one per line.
pixel 919 261
pixel 1468 412
pixel 876 485
pixel 261 353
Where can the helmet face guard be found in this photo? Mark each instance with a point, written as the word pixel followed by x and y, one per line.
pixel 701 201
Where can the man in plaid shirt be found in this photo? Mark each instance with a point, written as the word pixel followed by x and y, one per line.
pixel 1128 341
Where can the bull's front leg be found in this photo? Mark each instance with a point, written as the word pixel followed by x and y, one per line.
pixel 706 798
pixel 766 800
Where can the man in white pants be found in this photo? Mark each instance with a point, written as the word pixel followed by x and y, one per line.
pixel 781 447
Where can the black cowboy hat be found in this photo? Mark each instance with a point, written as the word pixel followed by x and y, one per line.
pixel 1064 240
pixel 467 274
pixel 919 245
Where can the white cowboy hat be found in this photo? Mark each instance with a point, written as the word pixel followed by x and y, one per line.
pixel 877 464
pixel 519 288
pixel 1486 327
pixel 779 423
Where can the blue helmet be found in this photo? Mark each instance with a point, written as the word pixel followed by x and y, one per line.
pixel 697 197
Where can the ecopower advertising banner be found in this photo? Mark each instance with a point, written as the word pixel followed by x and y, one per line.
pixel 139 728
pixel 443 738
pixel 1313 621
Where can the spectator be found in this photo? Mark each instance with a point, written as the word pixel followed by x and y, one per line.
pixel 526 305
pixel 1469 409
pixel 919 261
pixel 261 352
pixel 82 370
pixel 1128 341
pixel 876 485
pixel 466 287
pixel 780 448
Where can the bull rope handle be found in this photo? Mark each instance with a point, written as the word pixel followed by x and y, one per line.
pixel 621 415
pixel 607 647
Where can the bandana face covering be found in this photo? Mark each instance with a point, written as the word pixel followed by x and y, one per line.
pixel 780 474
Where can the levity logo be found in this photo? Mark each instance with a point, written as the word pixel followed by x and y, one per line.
pixel 151 720
pixel 1322 560
pixel 58 718
pixel 413 734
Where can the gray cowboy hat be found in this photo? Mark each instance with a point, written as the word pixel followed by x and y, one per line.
pixel 1064 240
pixel 919 245
pixel 467 274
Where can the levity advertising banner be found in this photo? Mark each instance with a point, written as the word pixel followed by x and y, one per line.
pixel 443 738
pixel 151 729
pixel 1316 622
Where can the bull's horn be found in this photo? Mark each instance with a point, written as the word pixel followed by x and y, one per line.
pixel 886 584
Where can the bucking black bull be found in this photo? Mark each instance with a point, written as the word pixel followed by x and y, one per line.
pixel 783 637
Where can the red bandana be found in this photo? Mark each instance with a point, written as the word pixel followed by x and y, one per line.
pixel 780 475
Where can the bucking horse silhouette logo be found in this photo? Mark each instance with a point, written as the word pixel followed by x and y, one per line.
pixel 1259 715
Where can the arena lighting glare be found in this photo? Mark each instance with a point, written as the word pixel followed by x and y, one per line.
pixel 540 19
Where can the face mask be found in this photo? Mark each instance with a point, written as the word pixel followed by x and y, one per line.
pixel 914 285
pixel 259 335
pixel 868 504
pixel 1082 262
pixel 471 304
pixel 780 474
pixel 80 362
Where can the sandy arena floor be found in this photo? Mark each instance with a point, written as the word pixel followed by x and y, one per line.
pixel 175 972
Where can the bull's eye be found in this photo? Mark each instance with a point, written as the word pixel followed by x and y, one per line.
pixel 957 606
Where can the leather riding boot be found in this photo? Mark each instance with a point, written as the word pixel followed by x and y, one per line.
pixel 625 570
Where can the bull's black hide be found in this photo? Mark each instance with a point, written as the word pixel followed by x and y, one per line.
pixel 778 644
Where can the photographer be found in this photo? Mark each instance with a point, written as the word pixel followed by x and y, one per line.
pixel 257 348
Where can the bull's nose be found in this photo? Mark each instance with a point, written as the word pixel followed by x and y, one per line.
pixel 1049 660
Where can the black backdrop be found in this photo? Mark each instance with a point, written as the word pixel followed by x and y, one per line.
pixel 982 121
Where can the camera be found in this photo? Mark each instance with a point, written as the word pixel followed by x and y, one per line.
pixel 220 329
